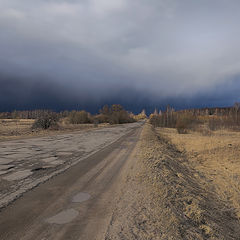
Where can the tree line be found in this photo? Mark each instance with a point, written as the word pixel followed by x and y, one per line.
pixel 195 119
pixel 114 114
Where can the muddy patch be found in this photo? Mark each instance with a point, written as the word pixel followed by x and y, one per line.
pixel 63 217
pixel 81 197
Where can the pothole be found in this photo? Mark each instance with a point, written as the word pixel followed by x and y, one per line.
pixel 38 169
pixel 10 167
pixel 81 197
pixel 6 167
pixel 63 217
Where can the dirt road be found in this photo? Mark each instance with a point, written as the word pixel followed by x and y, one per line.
pixel 76 204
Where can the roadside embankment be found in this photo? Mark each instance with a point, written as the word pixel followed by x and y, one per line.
pixel 164 197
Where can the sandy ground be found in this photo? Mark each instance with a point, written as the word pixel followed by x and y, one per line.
pixel 25 163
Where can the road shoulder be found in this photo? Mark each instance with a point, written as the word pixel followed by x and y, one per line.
pixel 163 198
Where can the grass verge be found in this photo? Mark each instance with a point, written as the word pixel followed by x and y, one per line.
pixel 187 205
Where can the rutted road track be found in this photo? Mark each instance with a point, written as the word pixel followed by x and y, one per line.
pixel 78 203
pixel 26 163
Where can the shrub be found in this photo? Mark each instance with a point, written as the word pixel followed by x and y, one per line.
pixel 116 114
pixel 120 117
pixel 79 117
pixel 185 122
pixel 141 116
pixel 156 120
pixel 102 118
pixel 46 121
pixel 181 127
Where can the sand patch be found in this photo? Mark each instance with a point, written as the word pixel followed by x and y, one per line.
pixel 64 153
pixel 57 162
pixel 49 159
pixel 18 175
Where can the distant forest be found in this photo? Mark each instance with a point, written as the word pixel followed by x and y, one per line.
pixel 114 114
pixel 204 119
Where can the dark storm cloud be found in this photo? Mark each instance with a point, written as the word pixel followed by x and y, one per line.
pixel 61 53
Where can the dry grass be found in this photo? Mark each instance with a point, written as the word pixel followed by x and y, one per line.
pixel 10 128
pixel 216 158
pixel 22 128
pixel 191 197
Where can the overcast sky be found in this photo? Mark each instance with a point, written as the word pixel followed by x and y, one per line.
pixel 95 51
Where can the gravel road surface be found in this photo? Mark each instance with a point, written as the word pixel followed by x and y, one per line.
pixel 78 199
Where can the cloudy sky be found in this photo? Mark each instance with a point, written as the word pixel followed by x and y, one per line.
pixel 141 53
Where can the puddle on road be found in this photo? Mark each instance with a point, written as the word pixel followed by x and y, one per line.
pixel 81 197
pixel 63 217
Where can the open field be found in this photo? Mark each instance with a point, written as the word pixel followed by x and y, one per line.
pixel 214 163
pixel 22 128
pixel 10 128
pixel 216 158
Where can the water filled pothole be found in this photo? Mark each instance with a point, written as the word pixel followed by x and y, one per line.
pixel 63 217
pixel 81 197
